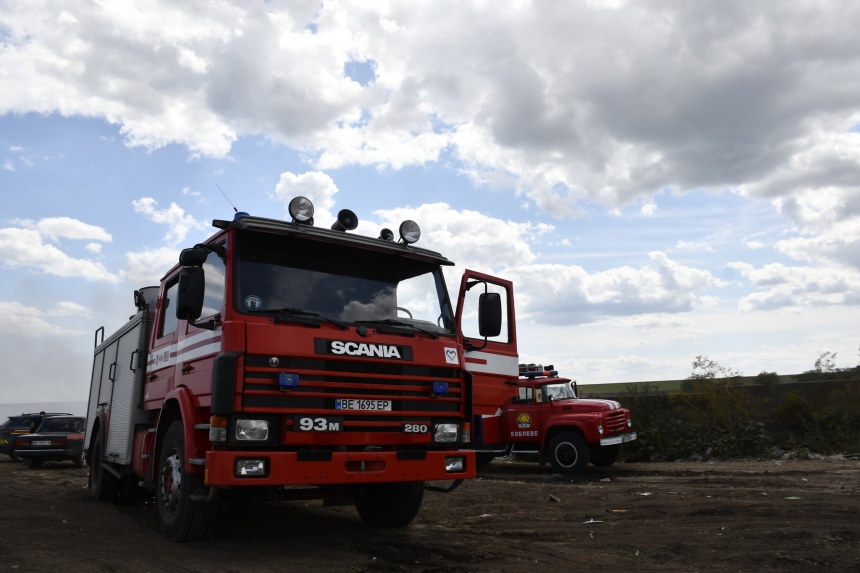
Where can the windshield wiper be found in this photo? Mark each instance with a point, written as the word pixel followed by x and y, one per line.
pixel 297 312
pixel 392 322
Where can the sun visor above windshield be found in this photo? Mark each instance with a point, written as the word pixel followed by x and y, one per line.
pixel 277 226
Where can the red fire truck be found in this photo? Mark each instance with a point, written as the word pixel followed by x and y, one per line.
pixel 305 363
pixel 546 416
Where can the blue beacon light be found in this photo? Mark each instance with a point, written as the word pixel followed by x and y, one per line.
pixel 287 380
pixel 440 388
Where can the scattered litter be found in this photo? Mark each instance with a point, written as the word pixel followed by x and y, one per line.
pixel 553 498
pixel 672 493
pixel 763 493
pixel 591 521
pixel 484 515
pixel 637 553
pixel 64 521
pixel 591 534
pixel 779 463
pixel 793 497
pixel 606 479
pixel 646 493
pixel 804 479
pixel 707 496
pixel 711 463
pixel 619 511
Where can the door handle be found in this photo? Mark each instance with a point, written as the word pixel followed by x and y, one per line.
pixel 152 377
pixel 187 368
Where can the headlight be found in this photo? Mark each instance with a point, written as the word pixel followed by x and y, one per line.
pixel 629 423
pixel 301 209
pixel 600 429
pixel 446 432
pixel 252 430
pixel 410 232
pixel 455 465
pixel 250 468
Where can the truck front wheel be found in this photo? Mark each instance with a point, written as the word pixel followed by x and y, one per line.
pixel 103 484
pixel 605 456
pixel 181 518
pixel 568 453
pixel 390 504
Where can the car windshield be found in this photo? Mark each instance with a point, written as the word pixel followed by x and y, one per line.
pixel 555 392
pixel 339 282
pixel 71 425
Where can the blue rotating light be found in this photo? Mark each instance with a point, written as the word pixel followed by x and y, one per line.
pixel 287 380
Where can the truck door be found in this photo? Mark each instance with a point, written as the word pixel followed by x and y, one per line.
pixel 162 356
pixel 522 417
pixel 494 361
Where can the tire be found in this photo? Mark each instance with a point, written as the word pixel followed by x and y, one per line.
pixel 35 463
pixel 81 459
pixel 605 456
pixel 180 518
pixel 568 453
pixel 103 484
pixel 390 504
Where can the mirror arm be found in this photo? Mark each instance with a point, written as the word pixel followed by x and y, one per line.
pixel 210 324
pixel 219 250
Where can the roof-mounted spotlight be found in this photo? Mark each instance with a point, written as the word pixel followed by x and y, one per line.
pixel 302 210
pixel 346 221
pixel 386 235
pixel 410 232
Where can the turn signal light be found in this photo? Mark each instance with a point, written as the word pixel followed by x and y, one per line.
pixel 218 429
pixel 467 432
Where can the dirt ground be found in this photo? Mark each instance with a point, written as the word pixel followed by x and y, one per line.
pixel 726 516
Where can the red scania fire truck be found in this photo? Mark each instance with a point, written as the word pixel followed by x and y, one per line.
pixel 307 363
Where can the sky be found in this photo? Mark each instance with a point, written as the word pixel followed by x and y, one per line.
pixel 659 179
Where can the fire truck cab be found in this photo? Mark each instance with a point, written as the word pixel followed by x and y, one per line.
pixel 303 362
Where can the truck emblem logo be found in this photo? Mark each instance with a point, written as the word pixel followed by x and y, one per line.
pixel 451 356
pixel 524 420
pixel 356 349
pixel 274 362
pixel 253 302
pixel 349 348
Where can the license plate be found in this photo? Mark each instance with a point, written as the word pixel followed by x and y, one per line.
pixel 354 404
pixel 41 443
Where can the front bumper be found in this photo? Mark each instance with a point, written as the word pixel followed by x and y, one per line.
pixel 619 439
pixel 284 468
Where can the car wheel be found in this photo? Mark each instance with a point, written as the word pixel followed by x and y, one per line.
pixel 103 484
pixel 568 453
pixel 390 504
pixel 35 463
pixel 81 459
pixel 181 518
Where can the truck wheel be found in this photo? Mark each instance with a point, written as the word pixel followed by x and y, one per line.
pixel 605 456
pixel 103 484
pixel 181 519
pixel 568 453
pixel 390 504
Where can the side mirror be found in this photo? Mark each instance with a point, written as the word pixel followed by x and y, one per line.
pixel 189 298
pixel 490 314
pixel 193 257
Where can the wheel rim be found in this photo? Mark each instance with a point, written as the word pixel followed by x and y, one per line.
pixel 566 454
pixel 171 482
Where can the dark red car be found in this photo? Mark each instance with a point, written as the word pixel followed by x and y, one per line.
pixel 58 438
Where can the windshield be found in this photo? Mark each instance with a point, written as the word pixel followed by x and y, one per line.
pixel 70 425
pixel 555 392
pixel 339 282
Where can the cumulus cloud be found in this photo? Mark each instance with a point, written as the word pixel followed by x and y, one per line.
pixel 798 287
pixel 570 295
pixel 66 227
pixel 316 186
pixel 179 224
pixel 27 248
pixel 149 266
pixel 28 321
pixel 608 101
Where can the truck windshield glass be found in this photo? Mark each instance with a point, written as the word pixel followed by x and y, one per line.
pixel 338 281
pixel 555 392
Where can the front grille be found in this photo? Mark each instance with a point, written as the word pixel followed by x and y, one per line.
pixel 616 421
pixel 321 381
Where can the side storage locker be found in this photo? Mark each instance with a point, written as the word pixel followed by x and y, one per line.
pixel 127 403
pixel 95 386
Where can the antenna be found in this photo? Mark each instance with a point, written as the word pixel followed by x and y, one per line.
pixel 228 199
